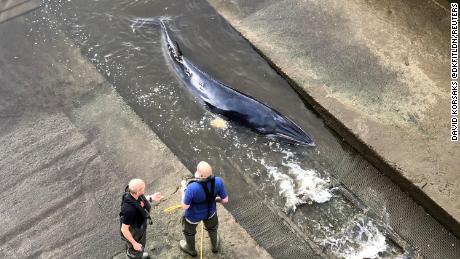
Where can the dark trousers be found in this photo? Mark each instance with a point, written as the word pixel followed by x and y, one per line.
pixel 140 235
pixel 210 224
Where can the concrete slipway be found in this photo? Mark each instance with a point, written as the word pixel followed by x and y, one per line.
pixel 67 153
pixel 378 72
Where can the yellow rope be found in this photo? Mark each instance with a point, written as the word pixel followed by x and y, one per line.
pixel 201 242
pixel 172 208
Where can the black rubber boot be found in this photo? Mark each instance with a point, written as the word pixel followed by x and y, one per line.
pixel 188 245
pixel 137 255
pixel 215 241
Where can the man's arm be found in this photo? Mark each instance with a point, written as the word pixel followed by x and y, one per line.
pixel 129 237
pixel 154 197
pixel 222 193
pixel 182 191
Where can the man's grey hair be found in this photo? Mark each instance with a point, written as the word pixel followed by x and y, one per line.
pixel 135 185
pixel 204 169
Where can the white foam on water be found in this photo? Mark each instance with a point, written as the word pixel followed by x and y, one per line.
pixel 368 242
pixel 287 154
pixel 310 185
pixel 286 187
pixel 299 186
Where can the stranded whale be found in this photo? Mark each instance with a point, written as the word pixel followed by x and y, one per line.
pixel 230 103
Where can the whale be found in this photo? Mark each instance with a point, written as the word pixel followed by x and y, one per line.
pixel 229 103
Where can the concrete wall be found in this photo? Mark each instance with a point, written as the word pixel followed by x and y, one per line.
pixel 377 71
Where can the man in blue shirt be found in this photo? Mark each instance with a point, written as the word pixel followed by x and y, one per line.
pixel 199 199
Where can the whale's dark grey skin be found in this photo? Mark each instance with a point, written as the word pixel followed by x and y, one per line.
pixel 230 103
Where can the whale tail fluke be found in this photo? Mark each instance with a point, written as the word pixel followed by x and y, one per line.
pixel 147 22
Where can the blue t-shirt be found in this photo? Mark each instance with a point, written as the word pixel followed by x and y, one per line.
pixel 196 198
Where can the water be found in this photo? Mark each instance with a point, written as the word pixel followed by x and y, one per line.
pixel 123 40
pixel 362 240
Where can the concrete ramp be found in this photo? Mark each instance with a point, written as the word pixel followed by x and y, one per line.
pixel 50 183
pixel 10 9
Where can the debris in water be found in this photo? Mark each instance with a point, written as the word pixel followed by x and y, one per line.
pixel 219 123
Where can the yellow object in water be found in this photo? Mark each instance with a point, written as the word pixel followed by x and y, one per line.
pixel 219 123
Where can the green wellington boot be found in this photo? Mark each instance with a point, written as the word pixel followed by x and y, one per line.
pixel 188 245
pixel 215 241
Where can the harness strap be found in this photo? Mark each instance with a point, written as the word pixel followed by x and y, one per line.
pixel 210 196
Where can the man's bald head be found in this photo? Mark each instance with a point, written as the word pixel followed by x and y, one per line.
pixel 203 170
pixel 136 185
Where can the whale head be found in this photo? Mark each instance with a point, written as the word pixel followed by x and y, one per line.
pixel 287 130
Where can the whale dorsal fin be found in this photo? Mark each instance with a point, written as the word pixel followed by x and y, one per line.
pixel 179 51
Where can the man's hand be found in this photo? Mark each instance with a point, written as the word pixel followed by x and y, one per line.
pixel 156 196
pixel 137 246
pixel 220 200
pixel 127 234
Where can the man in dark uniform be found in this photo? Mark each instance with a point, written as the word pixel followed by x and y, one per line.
pixel 135 211
pixel 199 199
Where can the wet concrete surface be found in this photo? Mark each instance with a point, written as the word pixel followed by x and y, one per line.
pixel 379 71
pixel 69 146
